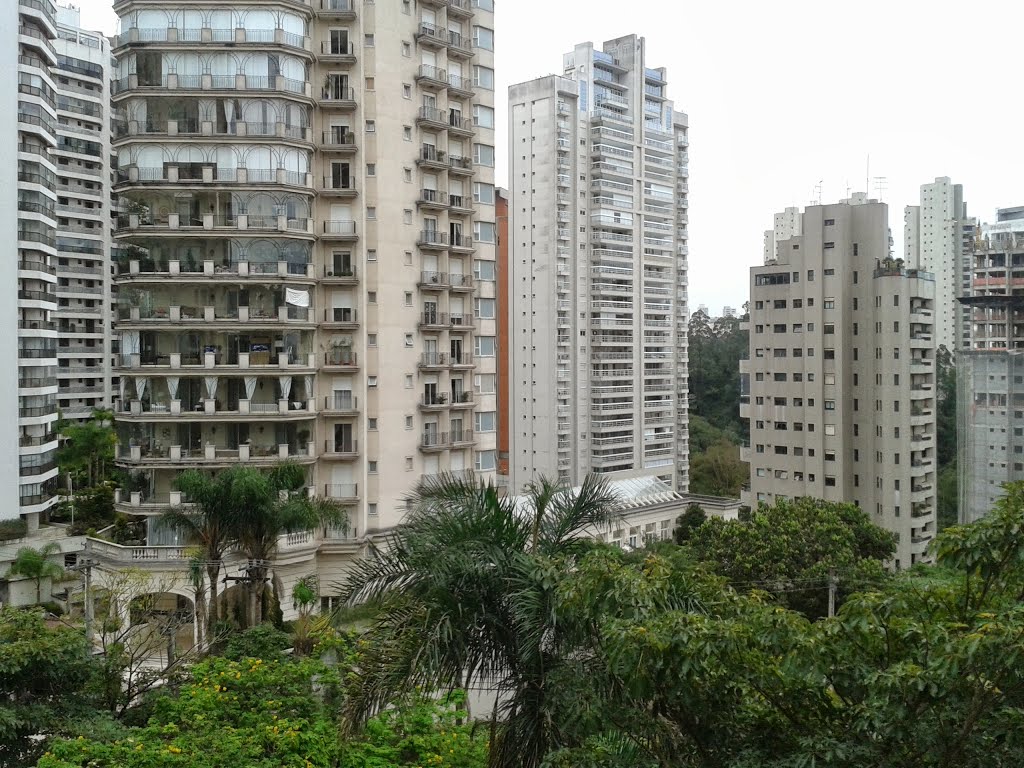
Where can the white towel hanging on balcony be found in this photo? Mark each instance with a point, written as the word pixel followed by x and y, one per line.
pixel 296 298
pixel 250 387
pixel 172 387
pixel 286 386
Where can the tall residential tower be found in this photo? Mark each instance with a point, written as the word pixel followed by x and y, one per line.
pixel 598 168
pixel 933 240
pixel 308 233
pixel 841 374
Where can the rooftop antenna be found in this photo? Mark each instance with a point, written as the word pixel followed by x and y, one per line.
pixel 867 176
pixel 881 184
pixel 818 188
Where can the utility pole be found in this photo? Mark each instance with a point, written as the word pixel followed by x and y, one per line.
pixel 832 583
pixel 86 567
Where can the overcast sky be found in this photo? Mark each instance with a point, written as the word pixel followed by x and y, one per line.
pixel 784 95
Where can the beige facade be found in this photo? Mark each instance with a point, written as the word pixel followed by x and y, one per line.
pixel 841 374
pixel 307 233
pixel 598 208
pixel 82 77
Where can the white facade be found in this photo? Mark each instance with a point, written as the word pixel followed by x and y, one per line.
pixel 84 219
pixel 933 241
pixel 788 223
pixel 27 317
pixel 598 230
pixel 841 375
pixel 309 240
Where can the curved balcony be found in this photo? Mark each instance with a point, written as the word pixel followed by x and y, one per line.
pixel 212 410
pixel 130 224
pixel 208 174
pixel 158 131
pixel 213 455
pixel 174 363
pixel 212 38
pixel 140 272
pixel 463 283
pixel 221 317
pixel 174 83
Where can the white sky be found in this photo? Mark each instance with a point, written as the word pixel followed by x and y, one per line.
pixel 784 94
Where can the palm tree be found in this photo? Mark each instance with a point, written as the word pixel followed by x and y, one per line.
pixel 209 520
pixel 36 564
pixel 274 506
pixel 465 590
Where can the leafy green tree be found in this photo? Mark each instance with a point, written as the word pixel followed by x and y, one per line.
pixel 276 505
pixel 87 449
pixel 44 676
pixel 259 642
pixel 209 521
pixel 688 522
pixel 250 712
pixel 716 347
pixel 465 589
pixel 718 471
pixel 419 731
pixel 38 565
pixel 790 548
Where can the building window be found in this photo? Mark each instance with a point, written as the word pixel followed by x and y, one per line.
pixel 483 193
pixel 483 38
pixel 484 308
pixel 485 421
pixel 368 41
pixel 485 461
pixel 483 77
pixel 483 115
pixel 371 169
pixel 484 346
pixel 371 254
pixel 371 126
pixel 483 270
pixel 483 154
pixel 484 231
pixel 372 467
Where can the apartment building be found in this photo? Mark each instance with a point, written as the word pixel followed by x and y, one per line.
pixel 28 203
pixel 598 167
pixel 938 238
pixel 308 236
pixel 787 224
pixel 841 374
pixel 990 371
pixel 83 209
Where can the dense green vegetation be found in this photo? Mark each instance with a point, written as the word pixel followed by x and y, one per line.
pixel 716 430
pixel 707 653
pixel 946 446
